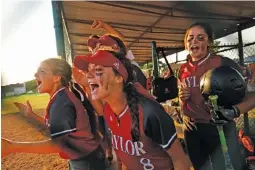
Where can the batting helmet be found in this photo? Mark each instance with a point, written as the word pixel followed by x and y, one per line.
pixel 226 82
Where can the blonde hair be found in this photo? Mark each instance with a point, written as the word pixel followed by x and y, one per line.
pixel 61 68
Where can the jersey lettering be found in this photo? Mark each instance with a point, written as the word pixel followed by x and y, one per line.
pixel 147 165
pixel 129 147
pixel 191 81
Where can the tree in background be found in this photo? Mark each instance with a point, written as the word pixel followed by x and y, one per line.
pixel 31 85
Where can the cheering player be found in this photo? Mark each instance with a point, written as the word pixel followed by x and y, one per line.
pixel 143 134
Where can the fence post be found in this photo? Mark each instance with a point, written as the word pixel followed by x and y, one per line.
pixel 241 61
pixel 58 29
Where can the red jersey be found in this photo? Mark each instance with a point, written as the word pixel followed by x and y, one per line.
pixel 157 133
pixel 190 74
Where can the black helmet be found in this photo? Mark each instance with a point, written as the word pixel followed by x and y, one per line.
pixel 226 82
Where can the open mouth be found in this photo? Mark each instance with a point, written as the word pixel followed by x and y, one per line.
pixel 93 87
pixel 38 83
pixel 194 49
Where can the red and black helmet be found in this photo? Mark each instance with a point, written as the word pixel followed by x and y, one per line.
pixel 226 82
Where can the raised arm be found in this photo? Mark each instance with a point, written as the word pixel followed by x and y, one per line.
pixel 40 147
pixel 27 110
pixel 97 24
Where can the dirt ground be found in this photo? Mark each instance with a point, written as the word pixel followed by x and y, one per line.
pixel 18 128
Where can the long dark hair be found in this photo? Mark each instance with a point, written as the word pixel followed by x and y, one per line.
pixel 207 28
pixel 130 91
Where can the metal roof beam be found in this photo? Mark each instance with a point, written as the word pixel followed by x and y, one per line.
pixel 169 15
pixel 142 38
pixel 88 22
pixel 195 12
pixel 151 31
pixel 151 26
pixel 141 47
pixel 235 5
pixel 82 44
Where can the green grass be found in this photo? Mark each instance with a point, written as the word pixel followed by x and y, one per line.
pixel 38 101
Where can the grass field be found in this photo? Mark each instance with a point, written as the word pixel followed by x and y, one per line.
pixel 38 101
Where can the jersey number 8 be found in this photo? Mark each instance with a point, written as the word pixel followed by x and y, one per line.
pixel 146 164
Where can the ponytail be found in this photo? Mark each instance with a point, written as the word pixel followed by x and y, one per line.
pixel 132 100
pixel 129 89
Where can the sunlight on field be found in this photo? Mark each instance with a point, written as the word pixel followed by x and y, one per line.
pixel 38 101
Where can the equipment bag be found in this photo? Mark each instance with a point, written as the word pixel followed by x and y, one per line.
pixel 165 88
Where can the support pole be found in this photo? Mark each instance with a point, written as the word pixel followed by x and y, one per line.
pixel 241 61
pixel 240 46
pixel 155 60
pixel 58 29
pixel 176 56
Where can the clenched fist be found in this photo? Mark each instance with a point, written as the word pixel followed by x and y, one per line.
pixel 97 24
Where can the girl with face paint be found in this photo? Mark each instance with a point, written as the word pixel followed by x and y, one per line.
pixel 202 139
pixel 93 45
pixel 143 134
pixel 72 129
pixel 138 74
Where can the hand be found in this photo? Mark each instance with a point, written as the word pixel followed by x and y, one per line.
pixel 97 24
pixel 184 94
pixel 25 109
pixel 7 147
pixel 80 77
pixel 222 116
pixel 228 114
pixel 109 157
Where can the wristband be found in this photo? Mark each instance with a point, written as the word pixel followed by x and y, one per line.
pixel 237 111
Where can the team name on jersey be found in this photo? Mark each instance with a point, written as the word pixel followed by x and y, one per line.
pixel 191 81
pixel 127 146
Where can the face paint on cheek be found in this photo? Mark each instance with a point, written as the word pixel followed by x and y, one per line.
pixel 107 86
pixel 203 47
pixel 101 78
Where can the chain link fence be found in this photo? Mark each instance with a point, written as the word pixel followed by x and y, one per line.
pixel 67 43
pixel 231 51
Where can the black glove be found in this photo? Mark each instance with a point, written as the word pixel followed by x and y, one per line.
pixel 228 114
pixel 222 115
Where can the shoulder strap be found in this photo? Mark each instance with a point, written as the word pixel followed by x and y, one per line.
pixel 169 67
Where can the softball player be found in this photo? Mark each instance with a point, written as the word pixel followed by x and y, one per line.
pixel 71 128
pixel 143 134
pixel 201 137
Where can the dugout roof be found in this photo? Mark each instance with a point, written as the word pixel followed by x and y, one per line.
pixel 142 22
